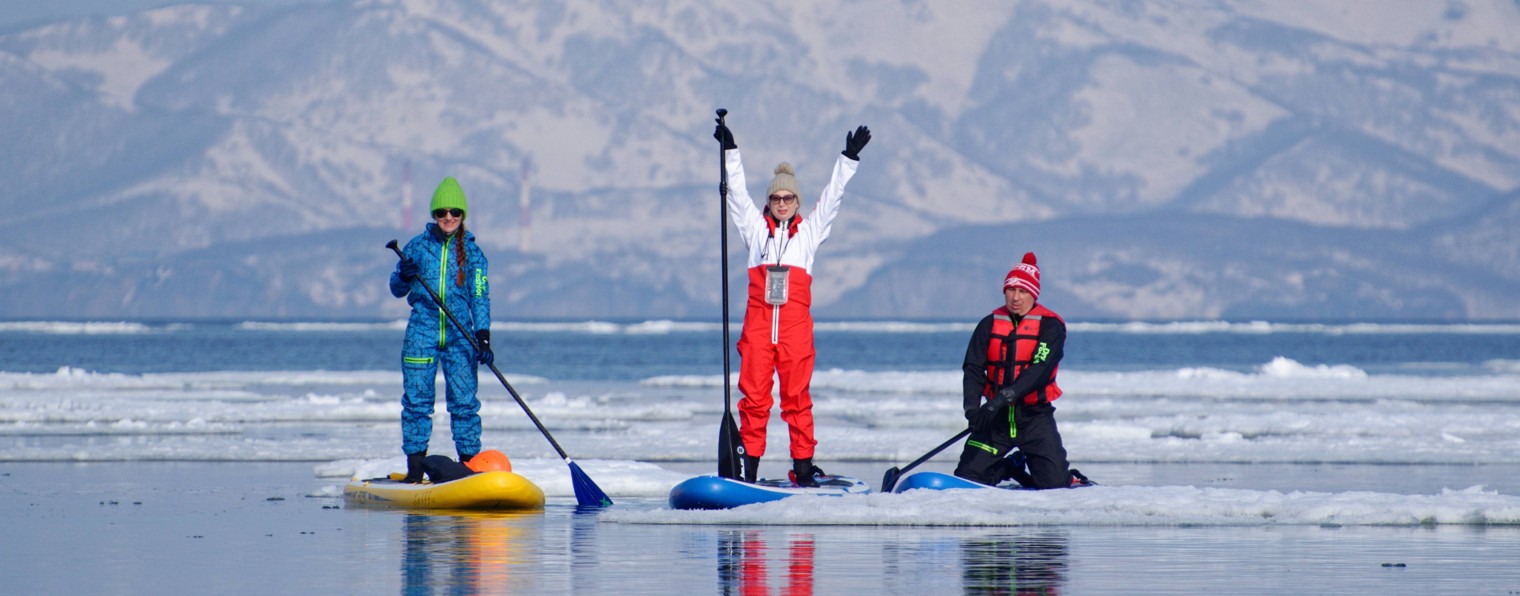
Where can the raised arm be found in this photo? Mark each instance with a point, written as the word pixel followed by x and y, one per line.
pixel 741 208
pixel 844 170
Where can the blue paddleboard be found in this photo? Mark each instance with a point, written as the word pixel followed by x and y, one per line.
pixel 940 481
pixel 715 492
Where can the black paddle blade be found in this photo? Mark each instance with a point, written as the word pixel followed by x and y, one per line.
pixel 587 494
pixel 890 479
pixel 729 445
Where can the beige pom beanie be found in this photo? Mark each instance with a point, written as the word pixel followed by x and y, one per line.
pixel 785 180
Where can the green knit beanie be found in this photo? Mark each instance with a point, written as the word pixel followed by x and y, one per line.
pixel 449 196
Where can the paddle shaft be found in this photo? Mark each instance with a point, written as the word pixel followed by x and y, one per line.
pixel 891 478
pixel 723 235
pixel 730 445
pixel 471 338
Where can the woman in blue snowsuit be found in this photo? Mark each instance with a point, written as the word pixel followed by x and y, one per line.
pixel 444 253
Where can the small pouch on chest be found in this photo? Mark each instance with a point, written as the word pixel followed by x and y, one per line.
pixel 777 281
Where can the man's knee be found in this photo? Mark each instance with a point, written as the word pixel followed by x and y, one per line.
pixel 1048 471
pixel 981 464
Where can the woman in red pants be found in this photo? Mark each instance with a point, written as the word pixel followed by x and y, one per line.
pixel 778 328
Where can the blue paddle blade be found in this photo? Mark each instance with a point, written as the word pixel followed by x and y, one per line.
pixel 587 493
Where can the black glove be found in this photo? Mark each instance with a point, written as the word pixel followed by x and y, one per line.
pixel 408 270
pixel 483 339
pixel 987 416
pixel 724 136
pixel 855 141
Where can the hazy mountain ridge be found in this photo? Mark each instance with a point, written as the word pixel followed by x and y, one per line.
pixel 227 162
pixel 1197 267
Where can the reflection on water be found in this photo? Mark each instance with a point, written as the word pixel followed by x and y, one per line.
pixel 584 555
pixel 560 551
pixel 201 521
pixel 744 564
pixel 464 554
pixel 1015 563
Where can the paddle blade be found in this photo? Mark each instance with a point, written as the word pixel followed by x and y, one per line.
pixel 587 493
pixel 729 444
pixel 890 479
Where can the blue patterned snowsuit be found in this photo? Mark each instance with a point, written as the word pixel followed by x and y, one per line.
pixel 431 338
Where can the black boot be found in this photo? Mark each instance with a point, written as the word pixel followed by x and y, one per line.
pixel 1015 469
pixel 414 468
pixel 464 459
pixel 803 471
pixel 751 468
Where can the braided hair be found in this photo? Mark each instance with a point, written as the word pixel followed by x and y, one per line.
pixel 459 255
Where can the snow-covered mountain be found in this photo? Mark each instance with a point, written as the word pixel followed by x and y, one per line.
pixel 1165 159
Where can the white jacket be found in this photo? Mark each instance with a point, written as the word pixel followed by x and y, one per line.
pixel 796 250
pixel 792 321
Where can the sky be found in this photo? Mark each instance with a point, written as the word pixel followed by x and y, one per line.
pixel 25 12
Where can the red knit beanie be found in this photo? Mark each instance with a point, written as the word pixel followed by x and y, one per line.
pixel 1025 275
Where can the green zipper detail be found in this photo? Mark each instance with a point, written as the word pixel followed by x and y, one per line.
pixel 417 359
pixel 443 292
pixel 983 447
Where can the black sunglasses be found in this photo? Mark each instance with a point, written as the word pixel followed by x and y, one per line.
pixel 439 213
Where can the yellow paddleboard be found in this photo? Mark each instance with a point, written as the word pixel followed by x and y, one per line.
pixel 486 491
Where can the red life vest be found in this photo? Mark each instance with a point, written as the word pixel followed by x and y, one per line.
pixel 800 279
pixel 794 318
pixel 1001 368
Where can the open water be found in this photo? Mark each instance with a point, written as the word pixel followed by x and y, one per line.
pixel 1250 457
